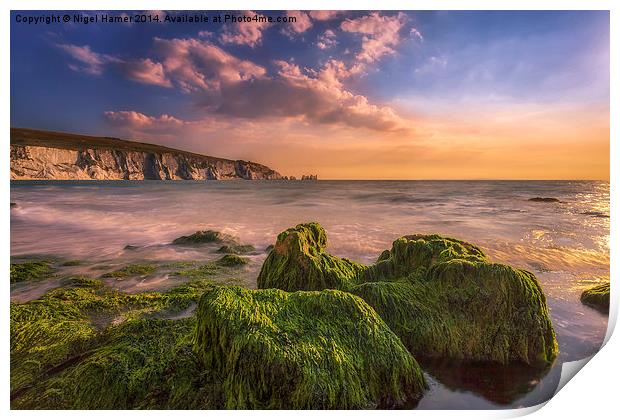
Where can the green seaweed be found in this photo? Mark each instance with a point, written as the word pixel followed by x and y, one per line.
pixel 415 253
pixel 203 237
pixel 132 270
pixel 236 249
pixel 441 296
pixel 30 270
pixel 300 350
pixel 71 263
pixel 298 261
pixel 465 310
pixel 203 271
pixel 597 297
pixel 232 260
pixel 62 329
pixel 82 281
pixel 139 364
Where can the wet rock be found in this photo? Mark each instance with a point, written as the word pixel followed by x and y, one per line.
pixel 299 262
pixel 596 214
pixel 544 200
pixel 30 270
pixel 441 296
pixel 232 260
pixel 204 237
pixel 236 249
pixel 307 350
pixel 131 271
pixel 71 263
pixel 597 297
pixel 86 347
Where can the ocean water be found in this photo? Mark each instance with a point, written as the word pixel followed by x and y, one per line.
pixel 566 244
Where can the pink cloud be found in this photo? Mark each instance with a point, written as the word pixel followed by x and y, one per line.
pixel 87 61
pixel 137 119
pixel 322 15
pixel 244 33
pixel 146 71
pixel 302 22
pixel 136 122
pixel 232 88
pixel 327 40
pixel 305 95
pixel 195 65
pixel 381 34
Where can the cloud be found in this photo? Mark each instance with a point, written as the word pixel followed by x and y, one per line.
pixel 244 33
pixel 137 120
pixel 145 71
pixel 86 60
pixel 309 96
pixel 414 33
pixel 322 15
pixel 195 65
pixel 381 34
pixel 327 40
pixel 302 23
pixel 221 84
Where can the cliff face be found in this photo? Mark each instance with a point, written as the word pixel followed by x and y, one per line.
pixel 73 160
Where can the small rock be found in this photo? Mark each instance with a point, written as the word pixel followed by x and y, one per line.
pixel 544 200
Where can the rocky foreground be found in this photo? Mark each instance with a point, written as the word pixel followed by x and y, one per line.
pixel 37 154
pixel 320 332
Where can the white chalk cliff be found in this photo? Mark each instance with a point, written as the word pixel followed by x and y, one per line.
pixel 45 155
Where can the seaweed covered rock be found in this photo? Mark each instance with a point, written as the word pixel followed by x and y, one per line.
pixel 416 253
pixel 30 270
pixel 597 297
pixel 88 346
pixel 236 249
pixel 204 237
pixel 441 296
pixel 232 260
pixel 474 311
pixel 139 364
pixel 298 261
pixel 300 350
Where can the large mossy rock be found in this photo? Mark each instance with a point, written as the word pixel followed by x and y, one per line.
pixel 597 297
pixel 298 261
pixel 441 296
pixel 470 311
pixel 301 350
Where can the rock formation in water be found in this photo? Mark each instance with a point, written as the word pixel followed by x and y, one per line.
pixel 597 297
pixel 303 350
pixel 48 155
pixel 441 296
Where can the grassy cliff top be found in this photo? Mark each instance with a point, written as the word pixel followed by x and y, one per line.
pixel 43 138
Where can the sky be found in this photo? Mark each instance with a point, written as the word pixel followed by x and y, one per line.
pixel 344 95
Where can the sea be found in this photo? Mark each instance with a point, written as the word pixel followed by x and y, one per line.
pixel 565 243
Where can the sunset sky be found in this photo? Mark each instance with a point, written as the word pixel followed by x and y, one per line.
pixel 345 95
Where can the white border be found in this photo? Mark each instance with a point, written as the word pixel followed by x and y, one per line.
pixel 592 394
